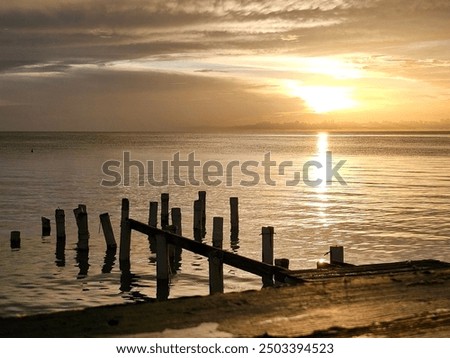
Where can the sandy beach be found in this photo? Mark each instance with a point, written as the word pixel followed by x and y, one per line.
pixel 411 304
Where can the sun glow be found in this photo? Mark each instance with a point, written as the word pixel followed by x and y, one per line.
pixel 323 99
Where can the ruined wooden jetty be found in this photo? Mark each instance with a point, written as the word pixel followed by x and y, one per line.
pixel 271 274
pixel 216 255
pixel 336 299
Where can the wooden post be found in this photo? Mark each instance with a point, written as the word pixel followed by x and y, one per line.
pixel 336 255
pixel 60 220
pixel 217 238
pixel 15 240
pixel 202 198
pixel 83 230
pixel 198 220
pixel 267 252
pixel 176 221
pixel 46 227
pixel 215 272
pixel 164 210
pixel 234 216
pixel 172 252
pixel 281 263
pixel 153 221
pixel 177 225
pixel 162 268
pixel 153 214
pixel 125 234
pixel 108 231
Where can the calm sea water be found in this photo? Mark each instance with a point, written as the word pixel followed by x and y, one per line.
pixel 395 206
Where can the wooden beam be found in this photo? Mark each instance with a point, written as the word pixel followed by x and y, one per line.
pixel 240 262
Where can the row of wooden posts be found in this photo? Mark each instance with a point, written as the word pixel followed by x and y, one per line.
pixel 81 217
pixel 168 242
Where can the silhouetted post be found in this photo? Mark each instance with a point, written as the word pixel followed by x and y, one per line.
pixel 15 240
pixel 153 222
pixel 108 231
pixel 177 225
pixel 176 221
pixel 60 219
pixel 153 214
pixel 202 198
pixel 164 210
pixel 82 223
pixel 217 238
pixel 281 263
pixel 46 227
pixel 267 252
pixel 162 268
pixel 172 251
pixel 125 234
pixel 234 216
pixel 215 261
pixel 336 255
pixel 198 220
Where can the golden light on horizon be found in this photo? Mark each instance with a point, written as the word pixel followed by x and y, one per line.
pixel 323 99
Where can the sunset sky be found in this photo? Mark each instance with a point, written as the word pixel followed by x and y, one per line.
pixel 196 64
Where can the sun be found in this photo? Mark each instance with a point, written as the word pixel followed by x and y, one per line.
pixel 323 99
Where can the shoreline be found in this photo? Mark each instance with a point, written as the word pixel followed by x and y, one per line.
pixel 405 304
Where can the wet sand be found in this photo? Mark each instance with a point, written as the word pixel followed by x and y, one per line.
pixel 411 304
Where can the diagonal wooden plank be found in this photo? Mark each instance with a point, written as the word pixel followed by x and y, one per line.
pixel 229 258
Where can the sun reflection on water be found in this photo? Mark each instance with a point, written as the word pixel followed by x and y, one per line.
pixel 321 189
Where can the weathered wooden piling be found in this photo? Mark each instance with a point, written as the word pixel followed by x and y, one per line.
pixel 153 214
pixel 15 240
pixel 284 263
pixel 174 259
pixel 267 252
pixel 336 255
pixel 176 220
pixel 202 198
pixel 164 210
pixel 81 217
pixel 217 237
pixel 215 261
pixel 125 234
pixel 153 222
pixel 108 231
pixel 162 268
pixel 198 220
pixel 177 225
pixel 234 215
pixel 46 227
pixel 60 219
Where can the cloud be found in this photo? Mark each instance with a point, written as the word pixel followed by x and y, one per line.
pixel 104 99
pixel 101 64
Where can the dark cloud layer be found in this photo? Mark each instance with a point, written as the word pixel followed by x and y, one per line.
pixel 54 56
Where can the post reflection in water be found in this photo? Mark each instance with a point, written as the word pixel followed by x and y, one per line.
pixel 129 282
pixel 110 258
pixel 82 259
pixel 60 252
pixel 234 241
